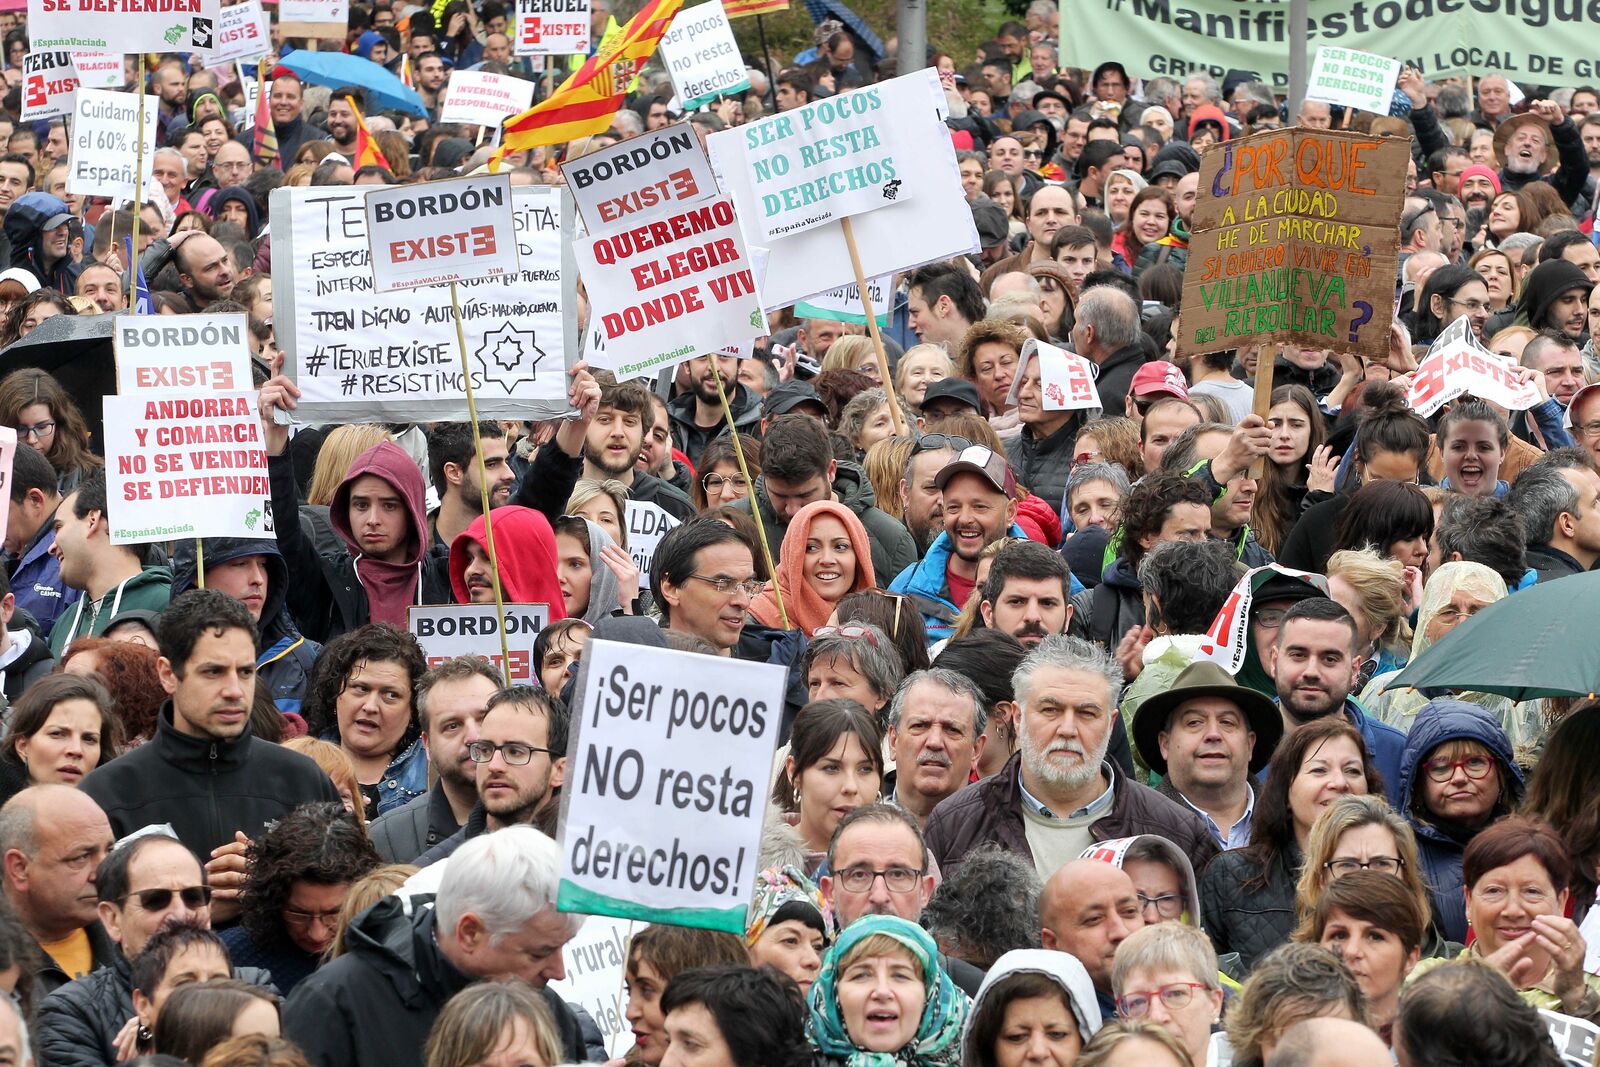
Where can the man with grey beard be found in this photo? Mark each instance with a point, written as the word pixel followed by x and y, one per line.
pixel 1059 794
pixel 1525 143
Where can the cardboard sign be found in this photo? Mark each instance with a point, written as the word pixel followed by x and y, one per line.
pixel 647 524
pixel 105 130
pixel 182 354
pixel 702 57
pixel 242 34
pixel 667 787
pixel 827 160
pixel 1066 380
pixel 935 224
pixel 358 355
pixel 446 631
pixel 668 290
pixel 640 178
pixel 552 28
pixel 185 466
pixel 594 961
pixel 98 70
pixel 450 231
pixel 120 26
pixel 843 302
pixel 482 99
pixel 1361 80
pixel 1295 236
pixel 49 85
pixel 1574 1038
pixel 1456 364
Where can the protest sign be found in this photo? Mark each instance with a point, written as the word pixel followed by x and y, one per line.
pixel 594 961
pixel 667 290
pixel 1066 380
pixel 647 524
pixel 105 137
pixel 49 85
pixel 362 356
pixel 482 99
pixel 192 353
pixel 738 9
pixel 1457 365
pixel 120 26
pixel 828 160
pixel 1294 239
pixel 641 177
pixel 449 231
pixel 1227 639
pixel 241 34
pixel 244 116
pixel 8 455
pixel 182 465
pixel 552 28
pixel 702 57
pixel 1349 78
pixel 934 224
pixel 446 631
pixel 1546 44
pixel 98 70
pixel 662 812
pixel 842 303
pixel 313 18
pixel 1575 1039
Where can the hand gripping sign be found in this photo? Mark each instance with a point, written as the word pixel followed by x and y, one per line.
pixel 1066 380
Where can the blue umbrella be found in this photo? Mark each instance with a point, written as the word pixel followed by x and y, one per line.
pixel 820 10
pixel 385 92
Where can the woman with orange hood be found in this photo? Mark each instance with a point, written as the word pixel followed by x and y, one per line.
pixel 526 547
pixel 825 557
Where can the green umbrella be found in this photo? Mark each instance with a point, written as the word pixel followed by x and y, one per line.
pixel 1531 644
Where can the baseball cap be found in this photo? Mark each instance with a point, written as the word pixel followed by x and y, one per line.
pixel 788 396
pixel 981 460
pixel 956 389
pixel 1167 168
pixel 990 220
pixel 1159 377
pixel 58 219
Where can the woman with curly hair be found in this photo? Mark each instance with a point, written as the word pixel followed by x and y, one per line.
pixel 128 670
pixel 299 873
pixel 46 417
pixel 33 309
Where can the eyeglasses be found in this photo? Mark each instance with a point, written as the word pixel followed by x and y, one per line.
pixel 1269 618
pixel 854 633
pixel 1168 907
pixel 1406 223
pixel 898 879
pixel 1087 457
pixel 296 917
pixel 1382 864
pixel 1590 429
pixel 729 586
pixel 1470 305
pixel 938 442
pixel 194 897
pixel 1175 996
pixel 39 430
pixel 1032 153
pixel 1442 770
pixel 515 753
pixel 713 483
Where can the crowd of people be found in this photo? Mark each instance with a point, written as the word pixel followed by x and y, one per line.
pixel 247 822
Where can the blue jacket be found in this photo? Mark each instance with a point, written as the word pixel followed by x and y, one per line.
pixel 1440 851
pixel 404 780
pixel 36 581
pixel 1384 743
pixel 924 582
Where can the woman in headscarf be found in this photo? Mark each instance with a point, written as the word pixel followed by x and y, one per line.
pixel 789 925
pixel 1040 983
pixel 825 556
pixel 882 999
pixel 597 578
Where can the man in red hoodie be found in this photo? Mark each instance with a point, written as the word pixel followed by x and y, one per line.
pixel 526 547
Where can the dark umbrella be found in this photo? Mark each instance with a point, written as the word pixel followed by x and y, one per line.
pixel 77 351
pixel 821 10
pixel 1531 644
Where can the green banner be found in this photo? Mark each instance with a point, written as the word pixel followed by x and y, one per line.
pixel 1545 42
pixel 575 898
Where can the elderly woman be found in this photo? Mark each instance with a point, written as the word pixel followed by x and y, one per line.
pixel 1033 1007
pixel 1457 776
pixel 789 925
pixel 1371 921
pixel 1295 983
pixel 1516 873
pixel 1167 973
pixel 825 557
pixel 835 764
pixel 920 367
pixel 882 998
pixel 988 358
pixel 856 662
pixel 656 955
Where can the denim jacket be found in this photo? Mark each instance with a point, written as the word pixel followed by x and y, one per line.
pixel 405 779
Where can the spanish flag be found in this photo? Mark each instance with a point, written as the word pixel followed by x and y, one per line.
pixel 368 154
pixel 265 148
pixel 586 102
pixel 405 71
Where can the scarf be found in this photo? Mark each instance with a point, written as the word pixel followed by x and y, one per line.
pixel 803 604
pixel 937 1042
pixel 777 887
pixel 603 596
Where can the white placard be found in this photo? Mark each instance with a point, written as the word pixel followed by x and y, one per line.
pixel 185 466
pixel 242 33
pixel 702 57
pixel 184 354
pixel 358 355
pixel 668 290
pixel 842 303
pixel 1349 78
pixel 478 98
pixel 245 117
pixel 450 231
pixel 935 224
pixel 120 26
pixel 446 631
pixel 594 961
pixel 336 11
pixel 1066 380
pixel 8 456
pixel 98 70
pixel 833 158
pixel 1457 364
pixel 647 524
pixel 49 85
pixel 640 178
pixel 662 812
pixel 105 127
pixel 551 28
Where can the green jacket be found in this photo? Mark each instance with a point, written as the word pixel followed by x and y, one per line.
pixel 149 590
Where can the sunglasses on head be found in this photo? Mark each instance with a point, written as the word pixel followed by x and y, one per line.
pixel 194 897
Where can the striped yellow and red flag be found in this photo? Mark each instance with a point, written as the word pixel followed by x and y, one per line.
pixel 405 71
pixel 367 152
pixel 586 102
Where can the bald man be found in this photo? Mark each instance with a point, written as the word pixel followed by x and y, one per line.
pixel 1329 1043
pixel 1088 908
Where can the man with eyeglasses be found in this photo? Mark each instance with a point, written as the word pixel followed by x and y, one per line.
pixel 232 164
pixel 1452 225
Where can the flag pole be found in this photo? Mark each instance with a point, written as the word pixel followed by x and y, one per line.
pixel 750 486
pixel 872 328
pixel 138 192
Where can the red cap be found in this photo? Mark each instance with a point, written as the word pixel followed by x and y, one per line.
pixel 1159 376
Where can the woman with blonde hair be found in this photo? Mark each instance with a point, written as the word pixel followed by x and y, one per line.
pixel 1362 833
pixel 500 1022
pixel 336 764
pixel 866 419
pixel 1112 439
pixel 1134 1043
pixel 885 464
pixel 339 450
pixel 378 883
pixel 1373 588
pixel 853 352
pixel 920 367
pixel 604 503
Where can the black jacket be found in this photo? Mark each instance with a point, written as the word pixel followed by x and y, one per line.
pixel 1251 920
pixel 1043 463
pixel 48 975
pixel 374 1006
pixel 1105 613
pixel 1550 562
pixel 34 663
pixel 205 789
pixel 549 483
pixel 1310 541
pixel 1116 376
pixel 692 438
pixel 405 833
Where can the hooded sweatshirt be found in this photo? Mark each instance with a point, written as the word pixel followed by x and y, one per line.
pixel 1540 289
pixel 525 548
pixel 804 606
pixel 242 195
pixel 604 598
pixel 150 589
pixel 1208 113
pixel 1062 968
pixel 391 588
pixel 24 227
